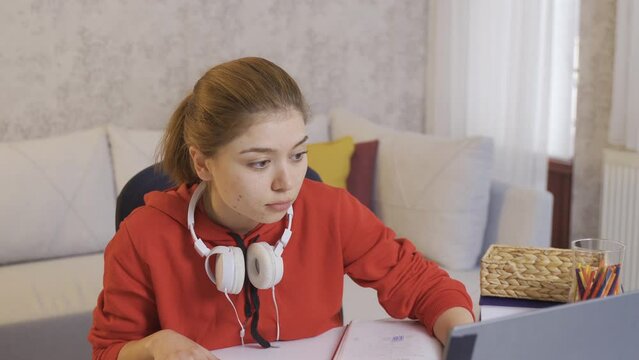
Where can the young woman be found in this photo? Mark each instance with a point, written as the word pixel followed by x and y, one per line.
pixel 246 249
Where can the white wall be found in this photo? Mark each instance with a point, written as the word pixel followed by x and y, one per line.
pixel 67 65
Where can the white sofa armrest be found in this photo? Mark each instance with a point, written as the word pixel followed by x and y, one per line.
pixel 518 216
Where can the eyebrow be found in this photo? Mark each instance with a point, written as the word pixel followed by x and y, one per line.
pixel 269 150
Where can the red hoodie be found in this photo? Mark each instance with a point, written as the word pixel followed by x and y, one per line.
pixel 154 279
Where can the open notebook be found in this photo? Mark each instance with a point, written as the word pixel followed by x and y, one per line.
pixel 371 339
pixel 387 339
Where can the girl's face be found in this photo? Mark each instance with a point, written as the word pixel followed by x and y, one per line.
pixel 257 176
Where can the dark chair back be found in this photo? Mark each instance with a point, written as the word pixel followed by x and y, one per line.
pixel 150 179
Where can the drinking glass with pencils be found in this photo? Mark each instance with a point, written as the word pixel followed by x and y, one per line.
pixel 596 268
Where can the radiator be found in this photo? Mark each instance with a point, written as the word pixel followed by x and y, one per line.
pixel 620 209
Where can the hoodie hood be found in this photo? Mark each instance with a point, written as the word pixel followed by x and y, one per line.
pixel 175 203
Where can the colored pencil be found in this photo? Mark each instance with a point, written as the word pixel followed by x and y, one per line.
pixel 609 287
pixel 591 276
pixel 603 283
pixel 580 282
pixel 615 283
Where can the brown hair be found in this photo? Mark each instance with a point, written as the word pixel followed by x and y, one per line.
pixel 220 108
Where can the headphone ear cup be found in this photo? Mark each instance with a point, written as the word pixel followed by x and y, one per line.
pixel 265 269
pixel 233 279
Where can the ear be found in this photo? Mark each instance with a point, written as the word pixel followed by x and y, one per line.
pixel 199 163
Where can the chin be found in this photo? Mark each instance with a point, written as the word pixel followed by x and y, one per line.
pixel 270 218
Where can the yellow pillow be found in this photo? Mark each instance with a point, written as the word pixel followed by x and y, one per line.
pixel 332 160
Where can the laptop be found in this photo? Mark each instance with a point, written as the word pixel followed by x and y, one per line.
pixel 606 328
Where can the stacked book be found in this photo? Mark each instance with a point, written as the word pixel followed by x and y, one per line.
pixel 492 307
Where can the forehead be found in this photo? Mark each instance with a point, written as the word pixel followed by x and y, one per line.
pixel 276 130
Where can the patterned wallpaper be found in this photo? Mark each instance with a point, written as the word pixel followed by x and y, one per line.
pixel 596 59
pixel 67 65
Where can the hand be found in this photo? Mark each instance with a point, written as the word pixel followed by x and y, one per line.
pixel 170 345
pixel 448 320
pixel 165 345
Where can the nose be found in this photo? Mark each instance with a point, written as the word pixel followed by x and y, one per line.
pixel 283 180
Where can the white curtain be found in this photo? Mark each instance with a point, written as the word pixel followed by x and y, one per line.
pixel 504 69
pixel 624 117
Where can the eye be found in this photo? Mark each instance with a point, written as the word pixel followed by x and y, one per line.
pixel 299 156
pixel 259 164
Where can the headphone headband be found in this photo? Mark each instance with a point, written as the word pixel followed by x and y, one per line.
pixel 200 247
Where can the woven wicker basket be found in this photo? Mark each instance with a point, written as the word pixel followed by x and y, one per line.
pixel 526 273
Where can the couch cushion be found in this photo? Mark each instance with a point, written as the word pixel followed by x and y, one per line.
pixel 57 196
pixel 332 160
pixel 361 178
pixel 50 288
pixel 132 150
pixel 433 191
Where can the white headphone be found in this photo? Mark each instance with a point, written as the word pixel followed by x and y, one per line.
pixel 264 262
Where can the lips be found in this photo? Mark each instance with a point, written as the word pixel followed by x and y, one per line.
pixel 279 206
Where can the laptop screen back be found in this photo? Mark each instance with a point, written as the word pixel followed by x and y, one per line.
pixel 605 328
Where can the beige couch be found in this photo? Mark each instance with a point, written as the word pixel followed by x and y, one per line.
pixel 59 215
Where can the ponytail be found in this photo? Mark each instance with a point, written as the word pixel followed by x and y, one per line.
pixel 174 150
